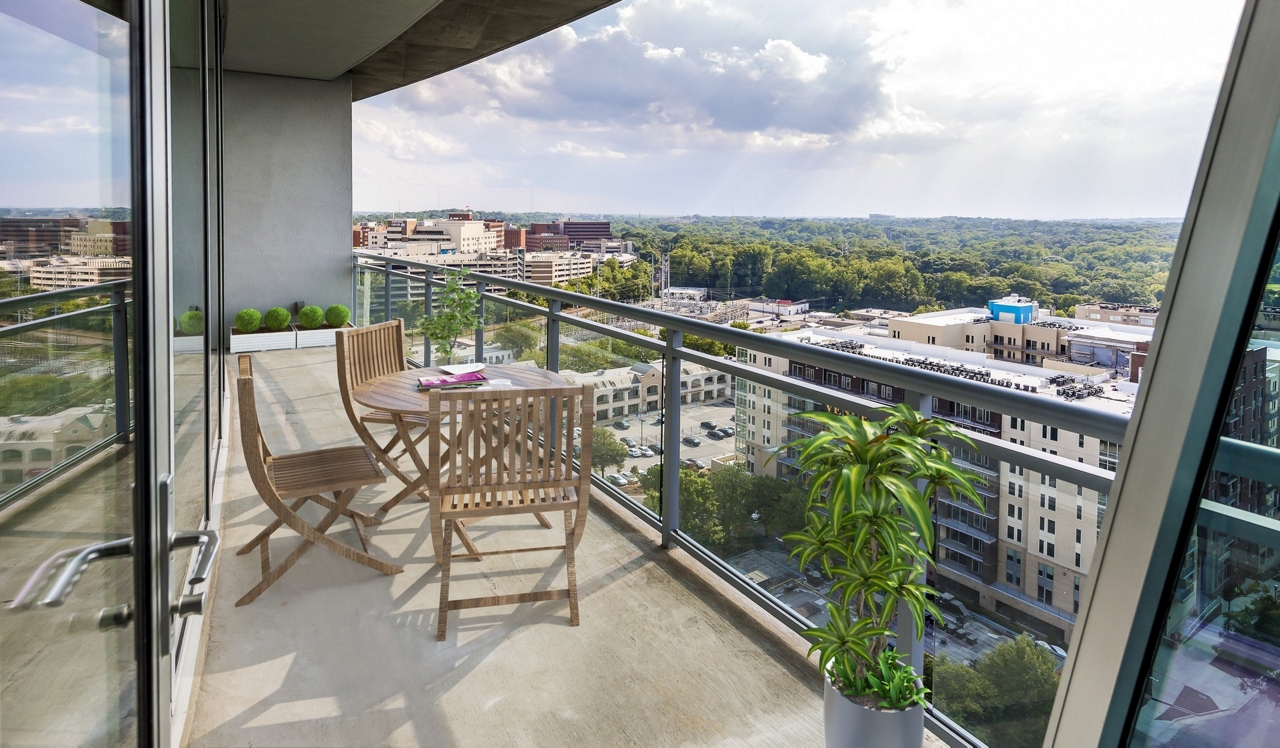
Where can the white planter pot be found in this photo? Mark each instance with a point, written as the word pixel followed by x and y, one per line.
pixel 320 337
pixel 188 344
pixel 263 341
pixel 851 725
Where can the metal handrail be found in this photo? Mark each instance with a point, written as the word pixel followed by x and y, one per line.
pixel 24 302
pixel 1071 416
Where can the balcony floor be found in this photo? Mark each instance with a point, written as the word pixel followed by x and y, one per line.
pixel 335 654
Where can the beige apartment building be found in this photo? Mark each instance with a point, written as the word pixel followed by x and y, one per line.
pixel 632 390
pixel 545 268
pixel 1025 555
pixel 77 272
pixel 1125 314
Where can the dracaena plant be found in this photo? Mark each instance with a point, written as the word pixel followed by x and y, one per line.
pixel 454 313
pixel 870 526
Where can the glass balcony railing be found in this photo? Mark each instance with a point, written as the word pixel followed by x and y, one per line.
pixel 700 432
pixel 64 382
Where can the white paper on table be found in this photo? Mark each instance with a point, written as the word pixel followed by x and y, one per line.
pixel 462 368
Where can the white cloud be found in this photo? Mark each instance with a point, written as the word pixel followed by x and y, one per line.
pixel 1061 108
pixel 53 126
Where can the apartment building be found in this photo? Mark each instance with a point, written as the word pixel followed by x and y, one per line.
pixel 632 390
pixel 30 238
pixel 76 272
pixel 31 445
pixel 1125 314
pixel 543 242
pixel 1023 555
pixel 101 238
pixel 575 232
pixel 1015 329
pixel 545 268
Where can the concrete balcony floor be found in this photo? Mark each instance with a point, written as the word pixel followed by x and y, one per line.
pixel 335 654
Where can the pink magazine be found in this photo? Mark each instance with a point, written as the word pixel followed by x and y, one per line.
pixel 472 378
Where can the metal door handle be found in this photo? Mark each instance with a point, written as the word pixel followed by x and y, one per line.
pixel 75 568
pixel 31 590
pixel 207 540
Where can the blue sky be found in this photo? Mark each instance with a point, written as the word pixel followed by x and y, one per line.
pixel 1051 109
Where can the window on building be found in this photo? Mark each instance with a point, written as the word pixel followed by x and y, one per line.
pixel 1077 559
pixel 11 476
pixel 41 455
pixel 1081 441
pixel 651 389
pixel 886 392
pixel 1079 515
pixel 1009 532
pixel 1013 567
pixel 1078 536
pixel 11 455
pixel 1108 455
pixel 1044 583
pixel 1011 506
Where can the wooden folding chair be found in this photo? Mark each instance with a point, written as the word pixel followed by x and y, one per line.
pixel 299 478
pixel 368 353
pixel 498 452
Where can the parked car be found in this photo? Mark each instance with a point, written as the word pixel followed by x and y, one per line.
pixel 577 432
pixel 708 425
pixel 621 425
pixel 728 431
pixel 692 441
pixel 628 441
pixel 655 448
pixel 634 452
pixel 618 480
pixel 661 419
pixel 714 435
pixel 701 464
pixel 645 451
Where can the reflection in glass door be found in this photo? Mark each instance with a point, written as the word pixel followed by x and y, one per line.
pixel 1216 676
pixel 67 660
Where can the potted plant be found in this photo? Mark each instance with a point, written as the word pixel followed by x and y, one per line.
pixel 263 332
pixel 188 336
pixel 870 527
pixel 316 326
pixel 454 313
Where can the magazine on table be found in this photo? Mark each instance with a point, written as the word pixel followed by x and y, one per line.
pixel 452 381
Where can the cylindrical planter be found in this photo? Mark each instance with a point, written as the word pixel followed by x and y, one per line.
pixel 851 725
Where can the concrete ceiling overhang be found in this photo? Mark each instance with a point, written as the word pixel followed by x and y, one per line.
pixel 457 32
pixel 319 39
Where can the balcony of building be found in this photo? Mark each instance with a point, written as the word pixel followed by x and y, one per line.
pixel 336 654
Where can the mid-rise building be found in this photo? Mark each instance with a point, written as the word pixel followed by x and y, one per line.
pixel 545 268
pixel 632 390
pixel 513 238
pixel 101 239
pixel 544 242
pixel 575 233
pixel 1125 314
pixel 77 272
pixel 33 238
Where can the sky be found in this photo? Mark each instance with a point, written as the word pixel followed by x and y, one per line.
pixel 1004 108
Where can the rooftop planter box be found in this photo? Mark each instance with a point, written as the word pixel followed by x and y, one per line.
pixel 316 328
pixel 250 335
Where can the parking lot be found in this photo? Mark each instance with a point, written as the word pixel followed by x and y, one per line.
pixel 647 431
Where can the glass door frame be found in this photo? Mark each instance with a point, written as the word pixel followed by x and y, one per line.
pixel 1230 230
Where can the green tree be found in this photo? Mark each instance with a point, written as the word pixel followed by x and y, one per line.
pixel 517 337
pixel 606 451
pixel 1005 698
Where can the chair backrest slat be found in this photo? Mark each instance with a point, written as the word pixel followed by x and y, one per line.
pixel 498 441
pixel 367 353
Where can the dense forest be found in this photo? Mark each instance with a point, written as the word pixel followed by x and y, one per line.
pixel 907 264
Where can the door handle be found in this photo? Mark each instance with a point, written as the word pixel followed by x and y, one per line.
pixel 31 590
pixel 206 541
pixel 72 572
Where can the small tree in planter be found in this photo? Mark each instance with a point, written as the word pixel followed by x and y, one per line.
pixel 454 314
pixel 189 336
pixel 870 526
pixel 257 332
pixel 316 326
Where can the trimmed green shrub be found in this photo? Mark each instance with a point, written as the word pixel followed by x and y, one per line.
pixel 191 323
pixel 277 319
pixel 337 315
pixel 310 317
pixel 248 320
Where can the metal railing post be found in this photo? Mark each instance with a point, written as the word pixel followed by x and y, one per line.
pixel 910 650
pixel 427 311
pixel 671 438
pixel 480 327
pixel 386 291
pixel 120 362
pixel 355 291
pixel 553 336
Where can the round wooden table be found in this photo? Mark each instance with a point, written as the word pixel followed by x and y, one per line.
pixel 398 395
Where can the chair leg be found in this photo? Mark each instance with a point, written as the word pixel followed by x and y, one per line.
pixel 446 560
pixel 266 532
pixel 571 567
pixel 542 520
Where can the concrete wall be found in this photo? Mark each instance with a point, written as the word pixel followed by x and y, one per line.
pixel 287 186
